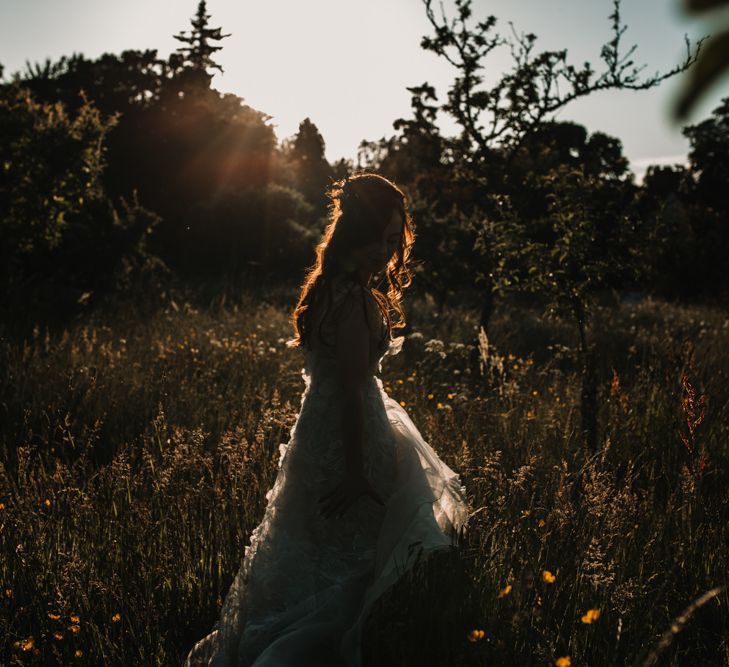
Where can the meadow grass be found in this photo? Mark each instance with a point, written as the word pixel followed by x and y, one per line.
pixel 137 451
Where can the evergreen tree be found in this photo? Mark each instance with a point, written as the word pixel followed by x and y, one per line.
pixel 197 52
pixel 313 172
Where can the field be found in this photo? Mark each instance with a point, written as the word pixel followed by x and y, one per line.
pixel 137 448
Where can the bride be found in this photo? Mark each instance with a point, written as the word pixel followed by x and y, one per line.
pixel 359 495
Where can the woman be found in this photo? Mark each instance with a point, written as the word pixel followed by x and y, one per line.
pixel 359 495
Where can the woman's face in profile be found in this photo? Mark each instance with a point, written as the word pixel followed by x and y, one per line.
pixel 374 257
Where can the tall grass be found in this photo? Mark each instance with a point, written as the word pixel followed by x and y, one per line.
pixel 137 451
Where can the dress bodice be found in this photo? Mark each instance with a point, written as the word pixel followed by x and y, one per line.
pixel 320 367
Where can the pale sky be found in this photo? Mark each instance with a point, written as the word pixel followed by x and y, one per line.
pixel 345 63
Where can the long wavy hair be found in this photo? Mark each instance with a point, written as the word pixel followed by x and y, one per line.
pixel 360 207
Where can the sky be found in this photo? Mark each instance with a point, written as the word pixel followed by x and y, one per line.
pixel 345 64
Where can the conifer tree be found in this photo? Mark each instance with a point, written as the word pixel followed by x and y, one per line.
pixel 313 172
pixel 198 47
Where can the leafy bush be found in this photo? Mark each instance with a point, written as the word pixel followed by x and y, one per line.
pixel 263 228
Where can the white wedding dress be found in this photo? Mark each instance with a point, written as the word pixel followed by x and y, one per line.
pixel 307 583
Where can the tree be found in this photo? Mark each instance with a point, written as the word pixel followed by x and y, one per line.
pixel 709 207
pixel 537 86
pixel 313 172
pixel 115 83
pixel 664 203
pixel 500 124
pixel 59 231
pixel 587 238
pixel 709 157
pixel 505 129
pixel 52 166
pixel 197 52
pixel 175 151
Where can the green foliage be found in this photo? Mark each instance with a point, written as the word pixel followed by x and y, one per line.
pixel 256 229
pixel 51 171
pixel 546 210
pixel 177 145
pixel 313 172
pixel 709 157
pixel 508 143
pixel 179 148
pixel 63 242
pixel 687 209
pixel 418 149
pixel 581 243
pixel 114 83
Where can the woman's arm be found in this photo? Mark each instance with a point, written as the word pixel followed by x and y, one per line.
pixel 352 358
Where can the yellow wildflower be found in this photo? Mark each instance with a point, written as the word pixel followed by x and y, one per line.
pixel 8 592
pixel 591 615
pixel 515 367
pixel 440 406
pixel 542 523
pixel 548 577
pixel 450 396
pixel 535 393
pixel 27 644
pixel 564 661
pixel 78 653
pixel 116 618
pixel 74 618
pixel 403 403
pixel 74 628
pixel 47 502
pixel 505 591
pixel 55 617
pixel 530 414
pixel 399 381
pixel 2 506
pixel 526 513
pixel 430 397
pixel 58 636
pixel 475 635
